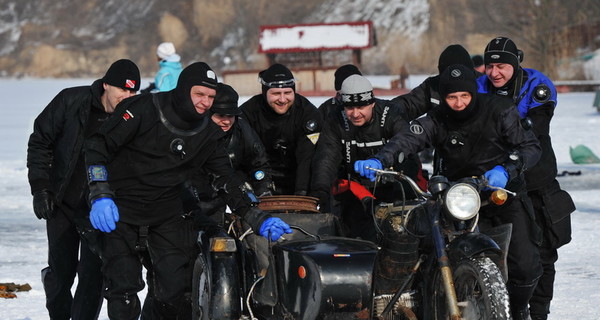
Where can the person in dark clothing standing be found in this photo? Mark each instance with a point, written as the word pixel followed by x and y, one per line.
pixel 245 150
pixel 288 125
pixel 357 131
pixel 59 187
pixel 534 96
pixel 137 163
pixel 481 135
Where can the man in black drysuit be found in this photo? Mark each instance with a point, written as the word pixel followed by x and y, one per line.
pixel 357 129
pixel 474 135
pixel 136 165
pixel 59 187
pixel 246 155
pixel 288 125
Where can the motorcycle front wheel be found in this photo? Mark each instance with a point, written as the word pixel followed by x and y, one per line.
pixel 480 291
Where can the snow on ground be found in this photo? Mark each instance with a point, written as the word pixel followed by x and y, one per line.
pixel 23 239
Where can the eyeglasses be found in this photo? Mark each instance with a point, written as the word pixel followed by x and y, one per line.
pixel 278 84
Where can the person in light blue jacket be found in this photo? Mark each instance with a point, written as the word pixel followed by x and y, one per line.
pixel 170 67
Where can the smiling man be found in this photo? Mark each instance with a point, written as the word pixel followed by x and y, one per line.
pixel 534 96
pixel 357 130
pixel 288 126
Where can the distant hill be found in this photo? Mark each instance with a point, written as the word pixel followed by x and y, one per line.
pixel 62 38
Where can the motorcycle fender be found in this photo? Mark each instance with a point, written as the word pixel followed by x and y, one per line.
pixel 470 244
pixel 325 277
pixel 226 283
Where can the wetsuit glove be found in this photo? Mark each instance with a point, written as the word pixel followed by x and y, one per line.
pixel 361 166
pixel 275 228
pixel 497 177
pixel 104 214
pixel 43 205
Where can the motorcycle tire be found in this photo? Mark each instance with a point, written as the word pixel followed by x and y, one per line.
pixel 480 291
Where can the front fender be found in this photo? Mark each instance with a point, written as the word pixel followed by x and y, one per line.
pixel 469 244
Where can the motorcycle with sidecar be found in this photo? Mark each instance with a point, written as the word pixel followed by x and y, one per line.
pixel 431 261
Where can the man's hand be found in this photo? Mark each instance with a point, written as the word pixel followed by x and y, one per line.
pixel 104 214
pixel 274 228
pixel 43 205
pixel 497 177
pixel 361 167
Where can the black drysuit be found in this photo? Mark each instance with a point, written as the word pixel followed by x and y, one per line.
pixel 55 163
pixel 150 149
pixel 421 99
pixel 341 144
pixel 289 140
pixel 247 157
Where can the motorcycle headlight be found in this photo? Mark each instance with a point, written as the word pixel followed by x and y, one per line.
pixel 462 201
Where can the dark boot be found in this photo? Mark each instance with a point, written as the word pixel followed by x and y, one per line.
pixel 539 311
pixel 539 317
pixel 521 314
pixel 519 295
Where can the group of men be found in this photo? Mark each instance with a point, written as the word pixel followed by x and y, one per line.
pixel 111 171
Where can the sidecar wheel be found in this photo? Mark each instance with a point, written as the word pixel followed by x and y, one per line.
pixel 201 289
pixel 480 291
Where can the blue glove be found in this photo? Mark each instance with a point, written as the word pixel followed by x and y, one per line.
pixel 497 177
pixel 361 166
pixel 104 214
pixel 275 228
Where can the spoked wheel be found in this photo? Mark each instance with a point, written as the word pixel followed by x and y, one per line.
pixel 480 291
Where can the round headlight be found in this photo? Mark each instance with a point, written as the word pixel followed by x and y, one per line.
pixel 462 201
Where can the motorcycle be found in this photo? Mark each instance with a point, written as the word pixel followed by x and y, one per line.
pixel 433 262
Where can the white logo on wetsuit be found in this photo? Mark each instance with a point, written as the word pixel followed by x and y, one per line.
pixel 416 129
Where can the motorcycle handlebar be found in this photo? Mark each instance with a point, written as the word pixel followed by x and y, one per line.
pixel 404 177
pixel 420 192
pixel 305 232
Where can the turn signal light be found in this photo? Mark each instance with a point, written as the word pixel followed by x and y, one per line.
pixel 499 197
pixel 301 272
pixel 222 244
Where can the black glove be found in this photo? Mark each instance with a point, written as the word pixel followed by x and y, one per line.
pixel 43 205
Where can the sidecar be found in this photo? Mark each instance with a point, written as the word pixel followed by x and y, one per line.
pixel 311 274
pixel 327 278
pixel 316 273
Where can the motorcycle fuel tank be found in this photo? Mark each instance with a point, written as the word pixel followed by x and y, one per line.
pixel 326 276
